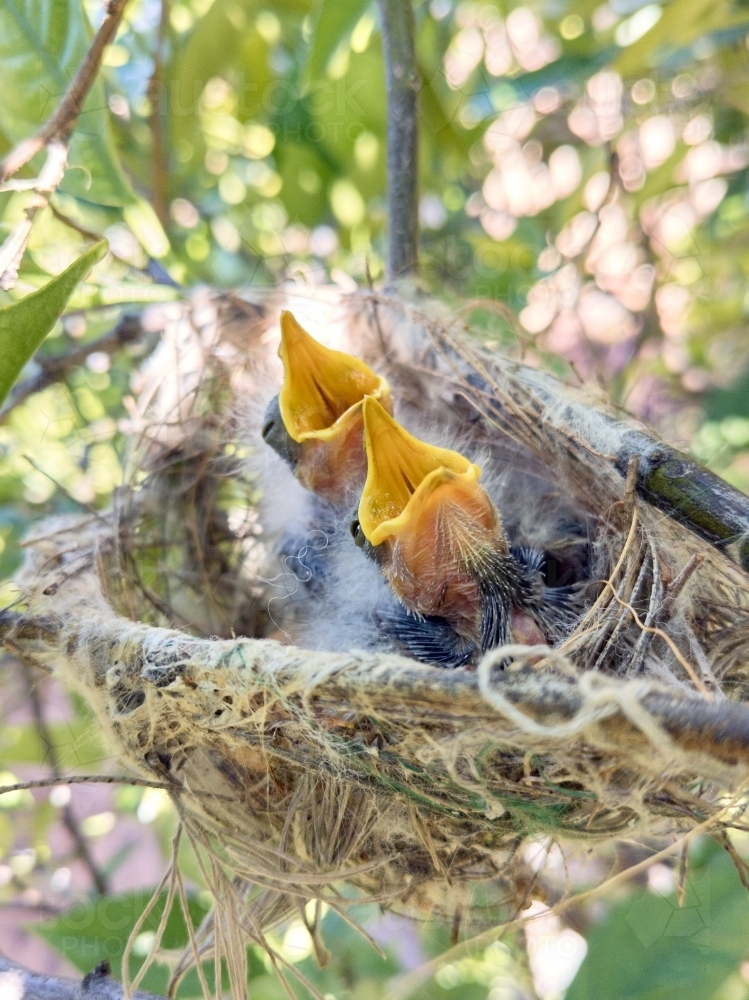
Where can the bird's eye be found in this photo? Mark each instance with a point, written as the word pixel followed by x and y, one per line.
pixel 357 534
pixel 268 426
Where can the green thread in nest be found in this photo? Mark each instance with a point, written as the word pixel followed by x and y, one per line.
pixel 534 817
pixel 573 793
pixel 403 779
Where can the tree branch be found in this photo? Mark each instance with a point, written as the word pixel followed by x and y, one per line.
pixel 60 125
pixel 696 497
pixel 666 478
pixel 403 84
pixel 97 985
pixel 54 135
pixel 710 729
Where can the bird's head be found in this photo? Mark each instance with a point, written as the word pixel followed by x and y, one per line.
pixel 315 423
pixel 427 521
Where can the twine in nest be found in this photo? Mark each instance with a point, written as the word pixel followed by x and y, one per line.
pixel 300 770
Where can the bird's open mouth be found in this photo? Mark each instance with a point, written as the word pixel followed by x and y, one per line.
pixel 408 481
pixel 323 389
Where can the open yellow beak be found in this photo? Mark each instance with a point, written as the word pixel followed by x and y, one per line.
pixel 405 477
pixel 323 389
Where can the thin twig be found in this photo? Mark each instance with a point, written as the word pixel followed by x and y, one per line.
pixel 681 882
pixel 54 135
pixel 106 779
pixel 688 668
pixel 63 489
pixel 60 125
pixel 630 486
pixel 738 862
pixel 68 816
pixel 87 234
pixel 45 184
pixel 40 907
pixel 680 581
pixel 159 158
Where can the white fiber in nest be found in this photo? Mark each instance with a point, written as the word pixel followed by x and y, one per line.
pixel 323 757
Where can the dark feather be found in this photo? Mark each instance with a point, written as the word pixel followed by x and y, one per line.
pixel 502 586
pixel 533 560
pixel 430 639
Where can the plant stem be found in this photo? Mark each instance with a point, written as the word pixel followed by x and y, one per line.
pixel 159 154
pixel 403 85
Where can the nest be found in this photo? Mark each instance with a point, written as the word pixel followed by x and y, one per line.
pixel 297 772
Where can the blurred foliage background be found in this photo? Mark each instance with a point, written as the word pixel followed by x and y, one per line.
pixel 584 164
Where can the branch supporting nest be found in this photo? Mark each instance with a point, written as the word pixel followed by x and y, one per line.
pixel 669 480
pixel 97 985
pixel 512 693
pixel 293 769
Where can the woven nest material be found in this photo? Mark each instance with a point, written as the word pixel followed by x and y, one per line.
pixel 295 770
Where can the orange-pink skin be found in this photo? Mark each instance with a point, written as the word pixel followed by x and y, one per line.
pixel 426 565
pixel 337 467
pixel 426 568
pixel 525 630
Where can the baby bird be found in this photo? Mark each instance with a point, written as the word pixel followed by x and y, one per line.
pixel 457 588
pixel 315 423
pixel 439 541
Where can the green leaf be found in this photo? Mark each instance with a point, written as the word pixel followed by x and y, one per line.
pixel 25 324
pixel 343 108
pixel 332 22
pixel 438 121
pixel 679 26
pixel 651 948
pixel 213 43
pixel 42 44
pixel 76 743
pixel 98 928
